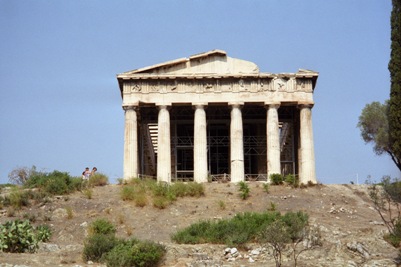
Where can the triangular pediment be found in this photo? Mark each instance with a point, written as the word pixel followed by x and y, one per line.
pixel 212 62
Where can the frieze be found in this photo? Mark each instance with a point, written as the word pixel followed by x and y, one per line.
pixel 276 84
pixel 304 85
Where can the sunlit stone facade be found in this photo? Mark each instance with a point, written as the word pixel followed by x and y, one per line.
pixel 213 117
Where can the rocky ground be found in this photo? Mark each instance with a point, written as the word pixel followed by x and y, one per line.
pixel 352 232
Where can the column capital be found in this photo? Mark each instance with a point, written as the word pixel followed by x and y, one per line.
pixel 130 107
pixel 200 105
pixel 275 105
pixel 236 104
pixel 305 105
pixel 163 106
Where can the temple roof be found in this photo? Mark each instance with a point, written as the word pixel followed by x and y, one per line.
pixel 211 64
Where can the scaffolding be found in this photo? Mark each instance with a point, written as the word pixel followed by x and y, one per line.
pixel 218 142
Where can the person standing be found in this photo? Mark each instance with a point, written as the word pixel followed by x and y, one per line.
pixel 94 170
pixel 86 174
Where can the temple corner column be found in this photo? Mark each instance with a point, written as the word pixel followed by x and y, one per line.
pixel 307 172
pixel 200 144
pixel 236 143
pixel 130 143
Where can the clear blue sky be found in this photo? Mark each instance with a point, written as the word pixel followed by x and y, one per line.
pixel 60 106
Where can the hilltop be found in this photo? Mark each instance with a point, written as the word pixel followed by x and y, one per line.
pixel 352 231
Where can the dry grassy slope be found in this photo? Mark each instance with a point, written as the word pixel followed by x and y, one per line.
pixel 343 213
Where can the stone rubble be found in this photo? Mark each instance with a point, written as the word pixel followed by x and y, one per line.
pixel 359 248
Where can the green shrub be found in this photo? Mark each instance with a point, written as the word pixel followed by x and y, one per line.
pixel 76 184
pixel 179 189
pixel 2 186
pixel 37 196
pixel 276 178
pixel 222 204
pixel 98 179
pixel 196 189
pixel 394 240
pixel 102 246
pixel 17 237
pixel 136 192
pixel 128 192
pixel 141 199
pixel 266 228
pixel 56 186
pixel 161 202
pixel 161 189
pixel 102 226
pixel 54 183
pixel 20 197
pixel 5 201
pixel 242 228
pixel 192 189
pixel 394 237
pixel 96 245
pixel 70 212
pixel 163 194
pixel 292 180
pixel 196 233
pixel 244 190
pixel 131 181
pixel 88 193
pixel 135 253
pixel 295 222
pixel 43 233
pixel 17 199
pixel 266 187
pixel 273 206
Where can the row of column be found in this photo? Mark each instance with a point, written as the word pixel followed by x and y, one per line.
pixel 306 153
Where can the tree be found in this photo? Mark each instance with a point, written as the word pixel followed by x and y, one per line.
pixel 386 199
pixel 374 126
pixel 394 67
pixel 291 229
pixel 21 174
pixel 299 231
pixel 277 236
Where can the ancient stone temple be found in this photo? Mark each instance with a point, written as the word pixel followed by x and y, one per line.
pixel 211 116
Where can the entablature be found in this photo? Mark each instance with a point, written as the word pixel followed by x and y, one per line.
pixel 213 84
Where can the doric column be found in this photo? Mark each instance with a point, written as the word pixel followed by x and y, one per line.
pixel 130 143
pixel 200 145
pixel 272 140
pixel 307 153
pixel 163 145
pixel 236 144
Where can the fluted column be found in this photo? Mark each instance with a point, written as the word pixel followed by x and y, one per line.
pixel 236 144
pixel 200 145
pixel 307 153
pixel 163 146
pixel 130 143
pixel 273 140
